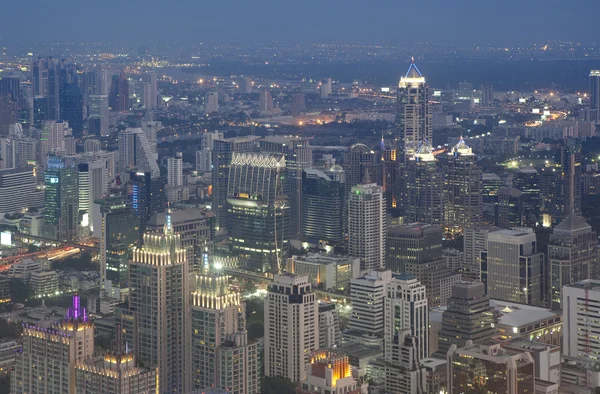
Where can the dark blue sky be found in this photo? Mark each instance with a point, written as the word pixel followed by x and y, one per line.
pixel 138 21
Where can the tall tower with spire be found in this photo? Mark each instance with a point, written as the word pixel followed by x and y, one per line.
pixel 413 112
pixel 159 304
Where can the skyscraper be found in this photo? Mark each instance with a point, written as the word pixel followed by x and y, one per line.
pixel 223 150
pixel 145 196
pixel 159 302
pixel 581 301
pixel 175 170
pixel 362 165
pixel 514 267
pixel 329 326
pixel 487 95
pixel 469 317
pixel 464 203
pixel 528 182
pixel 288 346
pixel 297 104
pixel 8 114
pixel 595 89
pixel 46 79
pixel 118 98
pixel 211 102
pixel 258 208
pixel 424 187
pixel 572 256
pixel 71 107
pixel 367 226
pixel 18 190
pixel 324 201
pixel 137 152
pixel 413 244
pixel 99 116
pixel 265 103
pixel 61 212
pixel 413 113
pixel 222 355
pixel 368 294
pixel 49 356
pixel 510 204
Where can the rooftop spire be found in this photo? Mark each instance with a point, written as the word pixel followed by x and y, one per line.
pixel 168 230
pixel 413 71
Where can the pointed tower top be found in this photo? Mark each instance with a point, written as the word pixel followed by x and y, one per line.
pixel 366 176
pixel 412 59
pixel 413 71
pixel 168 230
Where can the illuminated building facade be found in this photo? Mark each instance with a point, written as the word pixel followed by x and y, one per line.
pixel 329 326
pixel 412 243
pixel 328 373
pixel 581 311
pixel 325 271
pixel 425 193
pixel 159 302
pixel 595 89
pixel 489 369
pixel 222 355
pixel 362 165
pixel 61 210
pixel 145 196
pixel 258 209
pixel 572 256
pixel 367 225
pixel 368 299
pixel 527 180
pixel 137 152
pixel 47 361
pixel 288 346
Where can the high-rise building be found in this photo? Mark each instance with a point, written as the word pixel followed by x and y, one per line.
pixel 463 99
pixel 324 201
pixel 175 170
pixel 10 85
pixel 487 95
pixel 265 103
pixel 16 150
pixel 150 91
pixel 8 114
pixel 510 207
pixel 223 150
pixel 368 294
pixel 581 305
pixel 491 183
pixel 572 256
pixel 211 102
pixel 136 152
pixel 412 244
pixel 297 104
pixel 514 267
pixel 71 107
pixel 288 346
pixel 49 356
pixel 413 113
pixel 222 355
pixel 61 210
pixel 98 115
pixel 159 301
pixel 118 97
pixel 18 190
pixel 367 226
pixel 329 326
pixel 390 174
pixel 464 202
pixel 362 165
pixel 475 241
pixel 527 182
pixel 54 138
pixel 46 81
pixel 328 372
pixel 424 187
pixel 469 317
pixel 298 156
pixel 258 209
pixel 470 368
pixel 595 89
pixel 145 196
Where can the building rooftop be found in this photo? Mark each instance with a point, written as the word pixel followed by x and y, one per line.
pixel 588 284
pixel 510 233
pixel 182 215
pixel 572 223
pixel 319 258
pixel 517 315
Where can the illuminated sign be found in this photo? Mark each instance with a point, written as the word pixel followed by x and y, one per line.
pixel 6 238
pixel 53 179
pixel 385 90
pixel 134 197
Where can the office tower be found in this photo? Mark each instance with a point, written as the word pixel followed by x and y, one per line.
pixel 47 361
pixel 71 107
pixel 464 202
pixel 222 356
pixel 527 182
pixel 265 103
pixel 207 139
pixel 572 256
pixel 145 196
pixel 297 104
pixel 83 185
pixel 406 336
pixel 223 150
pixel 463 101
pixel 514 267
pixel 10 85
pixel 8 114
pixel 491 183
pixel 204 160
pixel 329 326
pixel 46 81
pixel 114 373
pixel 150 95
pixel 510 204
pixel 118 97
pixel 92 146
pixel 98 115
pixel 367 226
pixel 470 368
pixel 175 170
pixel 39 112
pixel 412 244
pixel 362 165
pixel 119 233
pixel 248 85
pixel 390 175
pixel 136 152
pixel 368 293
pixel 159 301
pixel 328 372
pixel 62 200
pixel 324 200
pixel 258 209
pixel 18 190
pixel 595 89
pixel 211 102
pixel 424 188
pixel 53 138
pixel 581 301
pixel 17 151
pixel 469 317
pixel 196 229
pixel 288 346
pixel 326 271
pixel 413 113
pixel 487 95
pixel 298 156
pixel 325 88
pixel 475 241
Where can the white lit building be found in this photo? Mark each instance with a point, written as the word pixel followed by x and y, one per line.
pixel 581 315
pixel 368 294
pixel 175 170
pixel 330 272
